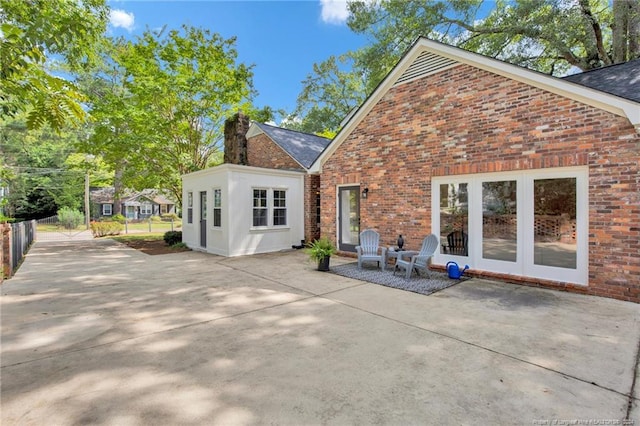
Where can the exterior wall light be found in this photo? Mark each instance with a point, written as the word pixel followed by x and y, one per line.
pixel 365 193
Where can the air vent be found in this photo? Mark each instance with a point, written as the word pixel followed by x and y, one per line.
pixel 425 64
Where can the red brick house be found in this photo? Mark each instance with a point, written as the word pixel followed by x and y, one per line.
pixel 539 176
pixel 277 148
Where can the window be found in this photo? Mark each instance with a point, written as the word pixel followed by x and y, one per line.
pixel 279 207
pixel 190 207
pixel 260 210
pixel 529 223
pixel 146 208
pixel 107 210
pixel 164 209
pixel 217 207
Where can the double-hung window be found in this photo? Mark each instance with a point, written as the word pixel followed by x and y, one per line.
pixel 189 207
pixel 107 210
pixel 146 208
pixel 270 207
pixel 217 207
pixel 279 207
pixel 260 209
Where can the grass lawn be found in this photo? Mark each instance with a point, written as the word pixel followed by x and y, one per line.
pixel 149 236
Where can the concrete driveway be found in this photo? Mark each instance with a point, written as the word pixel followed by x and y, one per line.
pixel 94 332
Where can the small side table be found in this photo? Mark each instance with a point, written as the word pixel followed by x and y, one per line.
pixel 392 253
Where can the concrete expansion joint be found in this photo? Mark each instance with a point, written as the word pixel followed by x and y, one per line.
pixel 493 351
pixel 636 371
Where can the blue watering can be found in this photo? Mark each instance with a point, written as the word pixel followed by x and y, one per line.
pixel 454 270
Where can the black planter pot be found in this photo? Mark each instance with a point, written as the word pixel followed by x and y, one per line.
pixel 323 264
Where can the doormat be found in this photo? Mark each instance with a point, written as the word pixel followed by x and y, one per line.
pixel 418 284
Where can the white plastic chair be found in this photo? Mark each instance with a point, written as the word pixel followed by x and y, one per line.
pixel 369 249
pixel 420 260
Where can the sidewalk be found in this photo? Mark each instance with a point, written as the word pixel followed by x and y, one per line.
pixel 94 332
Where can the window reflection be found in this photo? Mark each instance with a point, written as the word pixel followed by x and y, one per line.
pixel 555 222
pixel 499 220
pixel 454 218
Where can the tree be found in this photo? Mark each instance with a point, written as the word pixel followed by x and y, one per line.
pixel 32 34
pixel 328 95
pixel 550 36
pixel 42 171
pixel 159 104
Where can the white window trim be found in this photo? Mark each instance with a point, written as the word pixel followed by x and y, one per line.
pixel 270 208
pixel 146 208
pixel 213 208
pixel 524 264
pixel 104 210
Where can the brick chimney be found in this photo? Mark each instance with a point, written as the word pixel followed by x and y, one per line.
pixel 235 140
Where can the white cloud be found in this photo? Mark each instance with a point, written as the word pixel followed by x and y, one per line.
pixel 121 19
pixel 334 11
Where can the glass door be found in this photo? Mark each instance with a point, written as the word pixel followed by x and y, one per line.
pixel 348 218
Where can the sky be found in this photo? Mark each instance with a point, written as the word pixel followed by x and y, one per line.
pixel 282 39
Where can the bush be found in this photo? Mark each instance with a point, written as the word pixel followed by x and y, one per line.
pixel 155 219
pixel 168 217
pixel 70 218
pixel 118 218
pixel 173 237
pixel 102 229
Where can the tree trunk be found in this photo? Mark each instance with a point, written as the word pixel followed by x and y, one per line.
pixel 625 44
pixel 118 189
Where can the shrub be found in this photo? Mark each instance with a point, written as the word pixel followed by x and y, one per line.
pixel 70 218
pixel 102 229
pixel 168 217
pixel 172 237
pixel 155 219
pixel 179 246
pixel 118 218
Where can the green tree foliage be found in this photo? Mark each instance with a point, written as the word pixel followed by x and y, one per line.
pixel 160 102
pixel 41 171
pixel 333 89
pixel 32 33
pixel 546 35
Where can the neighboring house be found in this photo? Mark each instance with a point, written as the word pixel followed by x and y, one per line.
pixel 262 199
pixel 539 175
pixel 135 205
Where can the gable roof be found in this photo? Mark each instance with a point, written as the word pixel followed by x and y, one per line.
pixel 620 79
pixel 426 57
pixel 304 148
pixel 105 196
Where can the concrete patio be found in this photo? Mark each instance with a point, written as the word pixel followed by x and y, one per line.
pixel 94 332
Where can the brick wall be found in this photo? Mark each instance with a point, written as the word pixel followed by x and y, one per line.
pixel 263 152
pixel 465 120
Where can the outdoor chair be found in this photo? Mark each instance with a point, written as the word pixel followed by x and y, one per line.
pixel 369 249
pixel 420 260
pixel 456 243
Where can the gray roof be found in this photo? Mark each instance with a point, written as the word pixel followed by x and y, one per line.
pixel 305 148
pixel 620 79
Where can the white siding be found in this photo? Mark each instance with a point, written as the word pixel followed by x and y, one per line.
pixel 237 236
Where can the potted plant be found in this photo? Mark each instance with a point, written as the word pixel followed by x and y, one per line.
pixel 321 250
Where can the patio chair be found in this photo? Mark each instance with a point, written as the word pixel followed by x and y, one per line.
pixel 369 249
pixel 420 260
pixel 456 243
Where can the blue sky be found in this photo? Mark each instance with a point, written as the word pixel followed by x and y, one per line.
pixel 283 39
